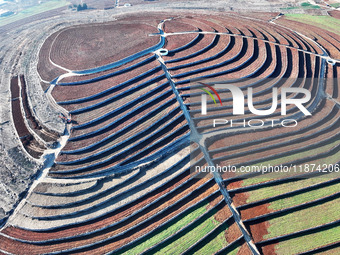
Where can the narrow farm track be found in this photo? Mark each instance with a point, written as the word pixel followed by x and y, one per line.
pixel 122 184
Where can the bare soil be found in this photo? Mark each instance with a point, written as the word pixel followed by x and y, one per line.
pixel 90 46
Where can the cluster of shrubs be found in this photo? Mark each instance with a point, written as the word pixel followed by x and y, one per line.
pixel 79 7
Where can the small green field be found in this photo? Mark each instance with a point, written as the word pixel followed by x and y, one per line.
pixel 325 22
pixel 304 219
pixel 216 244
pixel 308 242
pixel 307 5
pixel 335 5
pixel 290 8
pixel 304 197
pixel 189 238
pixel 267 192
pixel 43 7
pixel 170 230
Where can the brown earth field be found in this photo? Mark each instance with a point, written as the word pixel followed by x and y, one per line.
pixel 81 48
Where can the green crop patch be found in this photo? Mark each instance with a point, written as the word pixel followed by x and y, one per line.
pixel 43 7
pixel 304 197
pixel 325 22
pixel 170 230
pixel 188 239
pixel 316 215
pixel 275 190
pixel 307 5
pixel 308 242
pixel 214 245
pixel 335 5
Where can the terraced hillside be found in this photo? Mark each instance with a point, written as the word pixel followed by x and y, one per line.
pixel 122 183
